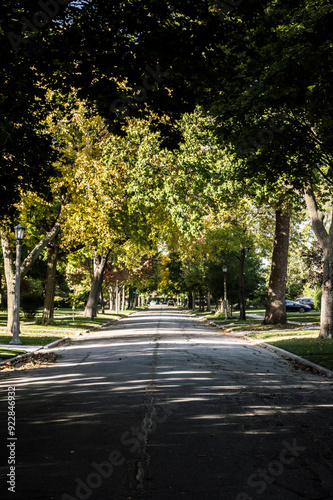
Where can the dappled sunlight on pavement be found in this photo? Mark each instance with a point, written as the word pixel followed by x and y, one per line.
pixel 176 410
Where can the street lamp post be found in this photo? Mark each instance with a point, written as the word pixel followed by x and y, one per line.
pixel 225 303
pixel 19 235
pixel 117 298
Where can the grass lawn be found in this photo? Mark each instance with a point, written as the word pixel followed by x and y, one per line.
pixel 313 349
pixel 304 343
pixel 298 339
pixel 63 325
pixel 312 317
pixel 9 353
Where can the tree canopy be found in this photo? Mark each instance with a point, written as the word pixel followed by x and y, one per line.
pixel 170 124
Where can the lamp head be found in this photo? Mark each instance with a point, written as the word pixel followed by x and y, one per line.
pixel 19 232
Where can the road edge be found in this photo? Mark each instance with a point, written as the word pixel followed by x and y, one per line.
pixel 277 350
pixel 58 342
pixel 292 357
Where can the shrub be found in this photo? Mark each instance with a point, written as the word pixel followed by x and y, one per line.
pixel 30 303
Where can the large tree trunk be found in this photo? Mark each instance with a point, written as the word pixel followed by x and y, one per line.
pixel 102 300
pixel 51 272
pixel 111 301
pixel 123 298
pixel 242 313
pixel 26 265
pixel 276 305
pixel 326 316
pixel 325 240
pixel 96 284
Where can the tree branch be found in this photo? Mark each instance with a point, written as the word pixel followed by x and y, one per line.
pixel 34 254
pixel 317 217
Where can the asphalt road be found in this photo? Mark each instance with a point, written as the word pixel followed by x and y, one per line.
pixel 161 406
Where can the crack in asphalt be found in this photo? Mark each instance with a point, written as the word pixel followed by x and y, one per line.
pixel 141 469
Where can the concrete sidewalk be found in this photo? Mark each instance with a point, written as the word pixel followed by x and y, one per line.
pixel 20 347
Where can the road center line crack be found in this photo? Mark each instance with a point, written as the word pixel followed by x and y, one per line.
pixel 142 472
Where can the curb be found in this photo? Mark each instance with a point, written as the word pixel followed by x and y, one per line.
pixel 293 357
pixel 31 353
pixel 20 356
pixel 55 343
pixel 105 325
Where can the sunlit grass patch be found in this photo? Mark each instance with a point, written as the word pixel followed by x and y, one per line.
pixel 319 351
pixel 275 335
pixel 9 353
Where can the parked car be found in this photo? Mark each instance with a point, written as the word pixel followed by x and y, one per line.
pixel 292 306
pixel 171 303
pixel 307 301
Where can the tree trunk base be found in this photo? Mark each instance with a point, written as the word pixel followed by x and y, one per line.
pixel 324 337
pixel 276 308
